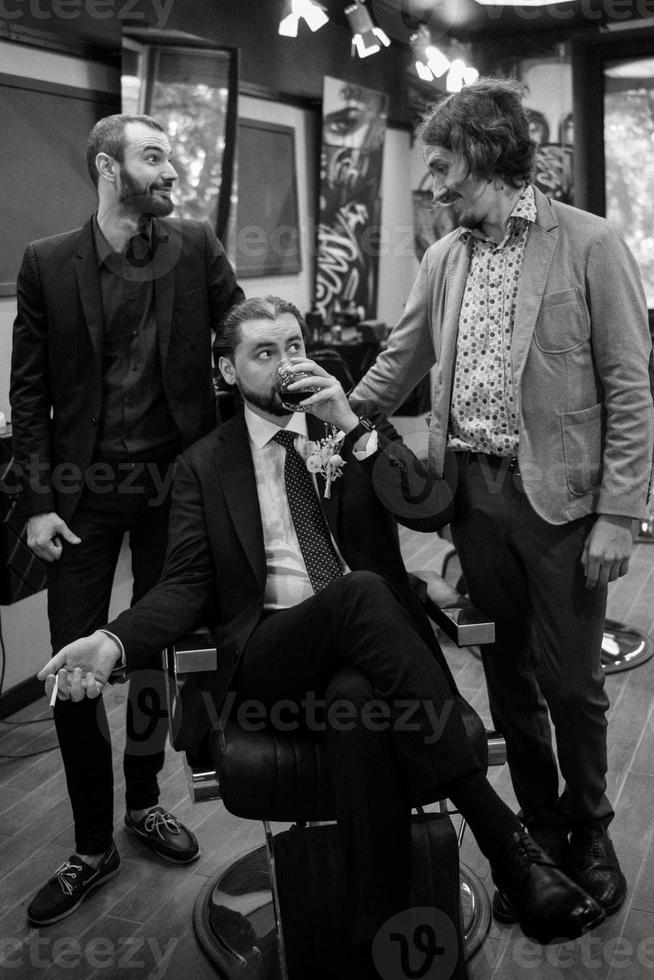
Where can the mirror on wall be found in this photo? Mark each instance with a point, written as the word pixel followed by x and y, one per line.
pixel 191 88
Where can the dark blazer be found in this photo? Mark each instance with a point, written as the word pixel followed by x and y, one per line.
pixel 56 382
pixel 215 568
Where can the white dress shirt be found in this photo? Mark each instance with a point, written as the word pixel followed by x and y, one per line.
pixel 287 579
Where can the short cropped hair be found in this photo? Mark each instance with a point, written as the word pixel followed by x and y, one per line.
pixel 108 136
pixel 228 335
pixel 486 124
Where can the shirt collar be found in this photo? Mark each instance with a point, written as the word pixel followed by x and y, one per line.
pixel 524 210
pixel 104 250
pixel 261 431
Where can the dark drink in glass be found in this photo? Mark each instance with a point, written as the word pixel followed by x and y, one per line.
pixel 283 378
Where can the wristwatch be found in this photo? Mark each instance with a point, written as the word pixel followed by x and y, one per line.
pixel 363 426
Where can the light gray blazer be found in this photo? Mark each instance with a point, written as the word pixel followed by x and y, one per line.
pixel 580 354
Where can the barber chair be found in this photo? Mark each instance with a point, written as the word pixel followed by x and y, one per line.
pixel 240 916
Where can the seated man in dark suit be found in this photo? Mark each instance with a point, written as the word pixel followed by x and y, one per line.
pixel 288 545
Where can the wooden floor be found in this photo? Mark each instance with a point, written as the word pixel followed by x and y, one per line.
pixel 139 924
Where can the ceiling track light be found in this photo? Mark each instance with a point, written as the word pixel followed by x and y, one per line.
pixel 366 38
pixel 307 10
pixel 459 75
pixel 431 63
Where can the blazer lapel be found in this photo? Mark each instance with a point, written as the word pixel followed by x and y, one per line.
pixel 539 252
pixel 236 474
pixel 88 282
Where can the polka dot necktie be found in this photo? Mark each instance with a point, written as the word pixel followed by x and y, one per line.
pixel 313 534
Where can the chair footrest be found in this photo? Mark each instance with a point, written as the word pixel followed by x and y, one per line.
pixel 456 615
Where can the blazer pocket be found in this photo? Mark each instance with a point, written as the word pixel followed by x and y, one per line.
pixel 582 434
pixel 563 322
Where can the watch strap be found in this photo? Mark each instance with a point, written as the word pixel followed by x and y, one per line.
pixel 363 426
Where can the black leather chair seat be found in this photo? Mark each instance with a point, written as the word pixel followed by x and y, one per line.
pixel 275 776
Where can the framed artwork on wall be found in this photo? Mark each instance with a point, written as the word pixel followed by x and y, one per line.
pixel 267 216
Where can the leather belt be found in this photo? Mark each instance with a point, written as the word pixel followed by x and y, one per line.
pixel 508 463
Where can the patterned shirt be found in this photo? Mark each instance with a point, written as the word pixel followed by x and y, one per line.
pixel 483 416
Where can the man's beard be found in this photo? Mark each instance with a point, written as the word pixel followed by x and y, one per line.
pixel 466 218
pixel 141 200
pixel 270 403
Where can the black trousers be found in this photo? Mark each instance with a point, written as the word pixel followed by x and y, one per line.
pixel 79 591
pixel 351 644
pixel 527 575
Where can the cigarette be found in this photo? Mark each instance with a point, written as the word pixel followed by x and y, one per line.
pixel 55 689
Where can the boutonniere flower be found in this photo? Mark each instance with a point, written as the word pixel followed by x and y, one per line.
pixel 323 457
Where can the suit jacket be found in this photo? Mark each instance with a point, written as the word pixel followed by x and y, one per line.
pixel 56 382
pixel 580 352
pixel 215 567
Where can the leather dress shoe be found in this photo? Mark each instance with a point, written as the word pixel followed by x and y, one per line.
pixel 595 867
pixel 548 904
pixel 556 847
pixel 165 835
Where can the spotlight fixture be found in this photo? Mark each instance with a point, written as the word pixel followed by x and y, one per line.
pixel 312 13
pixel 366 38
pixel 431 63
pixel 436 61
pixel 423 71
pixel 454 80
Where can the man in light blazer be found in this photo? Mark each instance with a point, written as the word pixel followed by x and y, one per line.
pixel 111 378
pixel 244 552
pixel 533 319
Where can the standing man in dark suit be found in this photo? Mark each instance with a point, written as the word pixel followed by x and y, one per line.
pixel 305 584
pixel 111 378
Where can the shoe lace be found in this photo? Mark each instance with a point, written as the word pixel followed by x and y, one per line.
pixel 524 851
pixel 66 875
pixel 159 822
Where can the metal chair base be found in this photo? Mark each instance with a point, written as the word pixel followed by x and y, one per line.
pixel 234 918
pixel 624 647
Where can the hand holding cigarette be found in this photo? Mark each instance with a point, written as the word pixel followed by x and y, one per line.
pixel 81 669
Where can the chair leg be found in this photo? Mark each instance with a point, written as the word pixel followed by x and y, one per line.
pixel 281 949
pixel 443 808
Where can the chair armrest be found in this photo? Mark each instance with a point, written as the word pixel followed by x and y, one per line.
pixel 193 653
pixel 191 712
pixel 454 613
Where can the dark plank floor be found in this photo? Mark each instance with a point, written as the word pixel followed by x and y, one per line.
pixel 139 925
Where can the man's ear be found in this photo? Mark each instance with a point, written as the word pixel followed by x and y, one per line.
pixel 106 167
pixel 226 368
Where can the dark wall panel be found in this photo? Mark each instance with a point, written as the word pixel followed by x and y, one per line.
pixel 46 189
